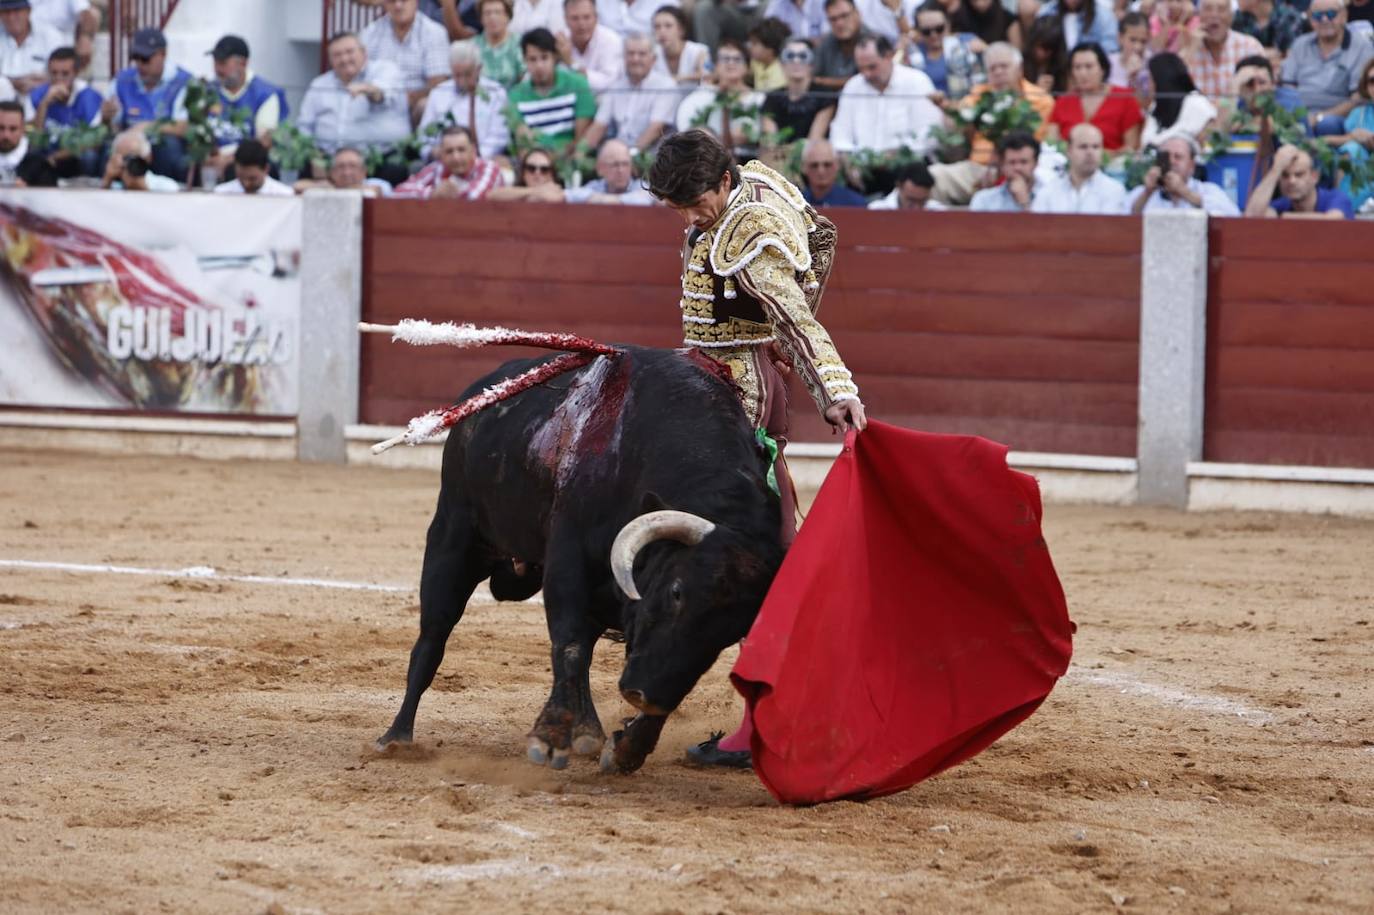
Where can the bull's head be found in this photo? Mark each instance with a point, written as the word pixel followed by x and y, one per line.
pixel 703 584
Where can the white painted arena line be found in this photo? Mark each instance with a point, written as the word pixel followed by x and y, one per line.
pixel 203 573
pixel 1131 685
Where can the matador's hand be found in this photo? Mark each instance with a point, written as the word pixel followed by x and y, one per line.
pixel 844 415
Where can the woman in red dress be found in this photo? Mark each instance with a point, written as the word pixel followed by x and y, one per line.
pixel 1111 109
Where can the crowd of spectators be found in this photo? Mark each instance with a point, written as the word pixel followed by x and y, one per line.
pixel 870 102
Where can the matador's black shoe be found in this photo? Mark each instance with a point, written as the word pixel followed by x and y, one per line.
pixel 709 753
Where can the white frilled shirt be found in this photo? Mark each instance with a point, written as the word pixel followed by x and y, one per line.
pixel 901 115
pixel 1099 194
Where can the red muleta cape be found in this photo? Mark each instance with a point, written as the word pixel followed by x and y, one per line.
pixel 916 619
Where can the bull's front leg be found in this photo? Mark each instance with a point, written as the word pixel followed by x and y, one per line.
pixel 569 722
pixel 628 748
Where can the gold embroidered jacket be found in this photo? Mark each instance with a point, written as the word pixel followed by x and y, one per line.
pixel 756 277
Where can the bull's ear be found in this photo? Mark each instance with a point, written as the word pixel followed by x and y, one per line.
pixel 652 503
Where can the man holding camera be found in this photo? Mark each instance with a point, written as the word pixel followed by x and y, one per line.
pixel 129 167
pixel 1171 184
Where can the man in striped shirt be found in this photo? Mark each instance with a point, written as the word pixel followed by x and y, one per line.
pixel 553 104
pixel 458 175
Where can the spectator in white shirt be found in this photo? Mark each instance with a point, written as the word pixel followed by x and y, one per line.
pixel 615 182
pixel 1178 188
pixel 1083 188
pixel 884 106
pixel 914 186
pixel 250 174
pixel 729 109
pixel 628 17
pixel 25 45
pixel 416 44
pixel 537 14
pixel 804 18
pixel 588 47
pixel 688 62
pixel 129 167
pixel 639 106
pixel 75 20
pixel 359 102
pixel 470 100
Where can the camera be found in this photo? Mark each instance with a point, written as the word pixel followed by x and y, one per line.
pixel 135 167
pixel 1164 164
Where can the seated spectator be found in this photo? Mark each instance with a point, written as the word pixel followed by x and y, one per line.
pixel 1004 65
pixel 821 171
pixel 1273 24
pixel 615 182
pixel 1083 188
pixel 415 44
pixel 805 19
pixel 1018 153
pixel 347 172
pixel 1360 10
pixel 987 20
pixel 25 45
pixel 1255 77
pixel 1178 109
pixel 1358 139
pixel 1175 26
pixel 1179 188
pixel 538 14
pixel 536 180
pixel 469 100
pixel 150 91
pixel 458 17
pixel 631 17
pixel 129 167
pixel 886 107
pixel 728 109
pixel 765 48
pixel 715 20
pixel 914 190
pixel 1295 176
pixel 587 47
pixel 1113 111
pixel 835 64
pixel 359 102
pixel 1212 61
pixel 1128 65
pixel 64 101
pixel 263 105
pixel 687 62
pixel 250 173
pixel 949 60
pixel 500 47
pixel 554 106
pixel 795 112
pixel 458 172
pixel 19 165
pixel 888 18
pixel 1046 62
pixel 1083 20
pixel 67 17
pixel 1325 66
pixel 638 107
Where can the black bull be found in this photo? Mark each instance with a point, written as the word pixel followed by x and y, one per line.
pixel 541 491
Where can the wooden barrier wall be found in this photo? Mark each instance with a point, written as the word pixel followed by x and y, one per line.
pixel 1024 330
pixel 1290 343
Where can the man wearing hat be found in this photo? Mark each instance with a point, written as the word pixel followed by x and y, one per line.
pixel 148 91
pixel 241 90
pixel 25 45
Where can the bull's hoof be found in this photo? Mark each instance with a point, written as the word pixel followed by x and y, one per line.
pixel 391 740
pixel 537 751
pixel 587 745
pixel 608 758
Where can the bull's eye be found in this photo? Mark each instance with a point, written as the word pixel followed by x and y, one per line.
pixel 675 592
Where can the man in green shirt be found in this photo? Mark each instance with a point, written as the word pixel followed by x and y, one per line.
pixel 553 105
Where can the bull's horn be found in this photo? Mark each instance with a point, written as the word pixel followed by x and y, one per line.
pixel 683 527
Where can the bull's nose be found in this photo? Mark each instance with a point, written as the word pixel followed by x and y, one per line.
pixel 635 698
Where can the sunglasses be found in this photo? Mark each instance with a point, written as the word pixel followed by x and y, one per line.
pixel 796 57
pixel 729 59
pixel 531 169
pixel 1325 15
pixel 830 164
pixel 932 31
pixel 139 58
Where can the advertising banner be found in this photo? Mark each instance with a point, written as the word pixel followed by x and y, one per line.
pixel 149 302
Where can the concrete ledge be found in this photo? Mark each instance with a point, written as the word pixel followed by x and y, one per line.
pixel 172 442
pixel 1234 494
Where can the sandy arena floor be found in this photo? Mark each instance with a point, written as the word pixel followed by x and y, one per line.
pixel 183 745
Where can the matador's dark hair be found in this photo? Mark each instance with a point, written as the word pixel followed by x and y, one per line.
pixel 688 165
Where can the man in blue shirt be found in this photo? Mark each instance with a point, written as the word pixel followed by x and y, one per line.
pixel 149 91
pixel 64 102
pixel 250 107
pixel 821 169
pixel 1295 176
pixel 1018 153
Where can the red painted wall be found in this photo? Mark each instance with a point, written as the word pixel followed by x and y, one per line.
pixel 1020 329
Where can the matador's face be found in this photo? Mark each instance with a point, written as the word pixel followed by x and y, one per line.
pixel 703 212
